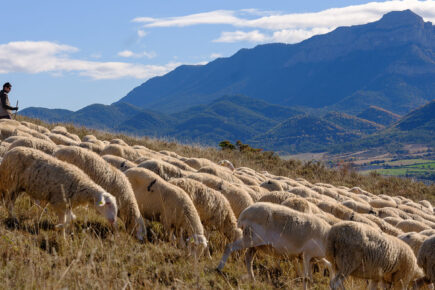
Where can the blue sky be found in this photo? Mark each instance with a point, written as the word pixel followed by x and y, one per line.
pixel 69 54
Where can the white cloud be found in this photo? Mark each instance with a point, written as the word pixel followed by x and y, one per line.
pixel 236 36
pixel 42 56
pixel 291 27
pixel 141 33
pixel 129 53
pixel 215 55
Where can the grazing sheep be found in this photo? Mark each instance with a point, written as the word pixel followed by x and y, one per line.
pixel 9 122
pixel 45 178
pixel 4 146
pixel 62 140
pixel 426 260
pixel 170 153
pixel 247 180
pixel 163 169
pixel 412 210
pixel 302 205
pixel 239 199
pixel 223 173
pixel 213 208
pixel 227 164
pixel 119 162
pixel 176 162
pixel 118 142
pixel 60 130
pixel 427 233
pixel 381 203
pixel 35 143
pixel 121 151
pixel 388 212
pixel 35 127
pixel 383 225
pixel 277 197
pixel 160 199
pixel 414 240
pixel 7 131
pixel 11 139
pixel 112 180
pixel 272 185
pixel 89 138
pixel 92 146
pixel 360 251
pixel 359 207
pixel 412 226
pixel 427 204
pixel 197 163
pixel 273 226
pixel 393 220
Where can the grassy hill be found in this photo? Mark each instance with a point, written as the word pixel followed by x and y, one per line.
pixel 379 116
pixel 34 255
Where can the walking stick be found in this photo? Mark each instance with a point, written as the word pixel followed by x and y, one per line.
pixel 15 115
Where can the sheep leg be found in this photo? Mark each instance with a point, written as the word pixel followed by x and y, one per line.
pixel 249 258
pixel 330 268
pixel 62 217
pixel 306 258
pixel 236 246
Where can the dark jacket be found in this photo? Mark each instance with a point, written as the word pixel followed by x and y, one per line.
pixel 5 108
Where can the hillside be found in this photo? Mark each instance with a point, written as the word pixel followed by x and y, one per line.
pixel 417 127
pixel 387 63
pixel 379 115
pixel 94 256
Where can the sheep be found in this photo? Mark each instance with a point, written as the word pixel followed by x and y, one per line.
pixel 89 138
pixel 380 203
pixel 414 240
pixel 412 226
pixel 163 169
pixel 9 122
pixel 273 226
pixel 392 220
pixel 238 198
pixel 427 204
pixel 328 192
pixel 388 212
pixel 302 205
pixel 223 173
pixel 277 197
pixel 32 133
pixel 7 131
pixel 247 180
pixel 92 146
pixel 176 162
pixel 383 225
pixel 62 140
pixel 227 164
pixel 35 143
pixel 111 180
pixel 427 233
pixel 4 146
pixel 60 130
pixel 119 162
pixel 363 252
pixel 358 207
pixel 344 213
pixel 411 210
pixel 47 179
pixel 213 208
pixel 170 153
pixel 272 185
pixel 197 163
pixel 426 260
pixel 158 198
pixel 118 142
pixel 121 151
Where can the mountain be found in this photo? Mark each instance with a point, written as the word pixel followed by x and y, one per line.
pixel 388 63
pixel 379 115
pixel 51 115
pixel 353 123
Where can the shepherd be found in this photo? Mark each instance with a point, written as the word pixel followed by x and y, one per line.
pixel 5 108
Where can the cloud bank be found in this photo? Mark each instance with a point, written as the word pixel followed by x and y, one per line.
pixel 269 26
pixel 44 56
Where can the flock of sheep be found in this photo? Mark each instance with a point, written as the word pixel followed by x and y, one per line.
pixel 389 241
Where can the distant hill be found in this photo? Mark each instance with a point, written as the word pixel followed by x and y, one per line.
pixel 379 115
pixel 417 127
pixel 388 63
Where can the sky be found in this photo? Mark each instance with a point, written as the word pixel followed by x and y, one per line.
pixel 70 54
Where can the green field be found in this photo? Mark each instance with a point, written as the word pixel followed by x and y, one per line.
pixel 413 168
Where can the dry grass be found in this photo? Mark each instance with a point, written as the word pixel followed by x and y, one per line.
pixel 34 255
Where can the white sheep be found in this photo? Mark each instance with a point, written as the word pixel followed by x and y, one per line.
pixel 273 185
pixel 62 140
pixel 427 233
pixel 213 208
pixel 119 162
pixel 288 232
pixel 112 180
pixel 227 164
pixel 122 151
pixel 414 240
pixel 35 143
pixel 359 207
pixel 392 220
pixel 60 130
pixel 222 172
pixel 427 204
pixel 163 169
pixel 89 138
pixel 238 198
pixel 383 225
pixel 47 179
pixel 277 197
pixel 426 260
pixel 360 251
pixel 168 203
pixel 97 148
pixel 412 226
pixel 118 142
